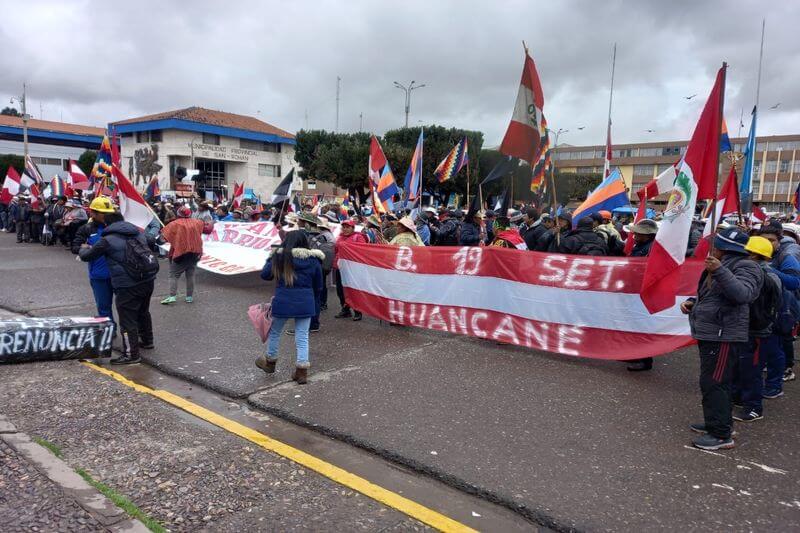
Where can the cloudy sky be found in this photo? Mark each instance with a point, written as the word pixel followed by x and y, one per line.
pixel 93 62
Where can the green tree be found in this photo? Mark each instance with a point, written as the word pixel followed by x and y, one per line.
pixel 11 111
pixel 11 160
pixel 86 161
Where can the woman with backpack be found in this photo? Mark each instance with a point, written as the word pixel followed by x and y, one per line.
pixel 298 274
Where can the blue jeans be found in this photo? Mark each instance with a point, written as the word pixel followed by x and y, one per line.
pixel 103 296
pixel 775 359
pixel 301 326
pixel 747 381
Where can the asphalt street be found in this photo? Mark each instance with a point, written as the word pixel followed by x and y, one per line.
pixel 569 442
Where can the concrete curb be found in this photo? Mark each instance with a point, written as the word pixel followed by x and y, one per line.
pixel 73 485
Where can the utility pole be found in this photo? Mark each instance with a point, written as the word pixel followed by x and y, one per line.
pixel 407 91
pixel 338 92
pixel 306 118
pixel 24 105
pixel 360 122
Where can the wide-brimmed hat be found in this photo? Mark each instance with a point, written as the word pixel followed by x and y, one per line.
pixel 309 217
pixel 644 227
pixel 407 223
pixel 374 220
pixel 331 216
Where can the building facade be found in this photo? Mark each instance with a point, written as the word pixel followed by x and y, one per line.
pixel 223 147
pixel 776 169
pixel 50 144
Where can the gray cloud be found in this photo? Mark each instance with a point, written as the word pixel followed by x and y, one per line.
pixel 97 62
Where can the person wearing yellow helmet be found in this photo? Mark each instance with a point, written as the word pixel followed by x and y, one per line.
pixel 99 275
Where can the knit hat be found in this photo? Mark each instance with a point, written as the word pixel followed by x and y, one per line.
pixel 731 240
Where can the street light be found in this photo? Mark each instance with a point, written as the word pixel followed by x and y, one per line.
pixel 408 90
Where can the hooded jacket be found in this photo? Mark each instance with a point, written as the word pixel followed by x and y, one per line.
pixel 301 300
pixel 470 234
pixel 90 233
pixel 721 312
pixel 583 241
pixel 112 246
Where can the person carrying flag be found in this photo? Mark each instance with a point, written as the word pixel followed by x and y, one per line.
pixel 719 319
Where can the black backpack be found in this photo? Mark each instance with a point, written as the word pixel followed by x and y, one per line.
pixel 141 264
pixel 764 310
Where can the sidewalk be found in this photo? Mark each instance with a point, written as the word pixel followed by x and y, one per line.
pixel 180 471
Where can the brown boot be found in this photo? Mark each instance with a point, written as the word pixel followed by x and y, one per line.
pixel 300 375
pixel 266 365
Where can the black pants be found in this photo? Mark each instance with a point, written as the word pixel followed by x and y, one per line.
pixel 323 298
pixel 133 310
pixel 717 360
pixel 340 289
pixel 23 231
pixel 788 350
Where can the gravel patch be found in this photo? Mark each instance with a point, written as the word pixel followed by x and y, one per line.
pixel 180 470
pixel 30 501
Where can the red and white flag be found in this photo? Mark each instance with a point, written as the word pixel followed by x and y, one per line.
pixel 487 292
pixel 696 179
pixel 80 181
pixel 758 216
pixel 14 184
pixel 661 184
pixel 131 204
pixel 238 194
pixel 523 138
pixel 36 197
pixel 32 170
pixel 727 204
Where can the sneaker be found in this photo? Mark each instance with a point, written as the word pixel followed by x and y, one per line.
pixel 313 329
pixel 357 316
pixel 169 300
pixel 747 415
pixel 147 346
pixel 290 332
pixel 189 299
pixel 344 313
pixel 126 360
pixel 772 394
pixel 700 427
pixel 709 442
pixel 788 375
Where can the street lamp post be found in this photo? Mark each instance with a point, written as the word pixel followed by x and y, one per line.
pixel 408 90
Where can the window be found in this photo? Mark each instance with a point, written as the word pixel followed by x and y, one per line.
pixel 269 171
pixel 662 168
pixel 643 170
pixel 756 167
pixel 783 187
pixel 210 138
pixel 155 136
pixel 671 150
pixel 247 144
pixel 272 147
pixel 48 161
pixel 760 147
pixel 649 152
pixel 623 152
pixel 768 188
pixel 784 145
pixel 589 170
pixel 771 166
pixel 796 166
pixel 683 150
pixel 126 135
pixel 784 165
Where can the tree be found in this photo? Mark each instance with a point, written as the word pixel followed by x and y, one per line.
pixel 86 161
pixel 11 160
pixel 10 111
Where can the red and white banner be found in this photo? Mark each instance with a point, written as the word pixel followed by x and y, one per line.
pixel 241 247
pixel 572 305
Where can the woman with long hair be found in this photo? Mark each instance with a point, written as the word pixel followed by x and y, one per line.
pixel 297 270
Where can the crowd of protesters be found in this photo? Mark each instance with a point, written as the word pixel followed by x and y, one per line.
pixel 744 317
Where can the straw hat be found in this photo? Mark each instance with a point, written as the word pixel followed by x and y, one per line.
pixel 407 223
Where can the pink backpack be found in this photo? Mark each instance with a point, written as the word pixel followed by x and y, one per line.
pixel 261 317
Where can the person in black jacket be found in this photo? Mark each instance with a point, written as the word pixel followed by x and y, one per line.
pixel 22 219
pixel 719 318
pixel 447 233
pixel 471 231
pixel 644 233
pixel 583 240
pixel 534 228
pixel 132 295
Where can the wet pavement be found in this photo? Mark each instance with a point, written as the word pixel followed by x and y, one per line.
pixel 570 443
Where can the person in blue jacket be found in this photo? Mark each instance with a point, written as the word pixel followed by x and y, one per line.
pixel 787 267
pixel 297 270
pixel 99 275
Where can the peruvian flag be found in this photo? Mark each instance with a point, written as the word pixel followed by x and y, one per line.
pixel 660 185
pixel 726 204
pixel 131 204
pixel 238 194
pixel 80 181
pixel 758 215
pixel 14 184
pixel 697 178
pixel 36 197
pixel 523 138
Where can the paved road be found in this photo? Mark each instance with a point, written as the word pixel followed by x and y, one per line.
pixel 569 442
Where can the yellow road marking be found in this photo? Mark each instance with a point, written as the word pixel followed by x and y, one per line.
pixel 339 475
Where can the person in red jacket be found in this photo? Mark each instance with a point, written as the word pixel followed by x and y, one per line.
pixel 348 234
pixel 185 236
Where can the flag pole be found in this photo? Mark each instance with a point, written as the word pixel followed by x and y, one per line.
pixel 607 162
pixel 716 168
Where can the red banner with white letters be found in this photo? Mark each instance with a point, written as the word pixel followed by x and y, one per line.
pixel 573 305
